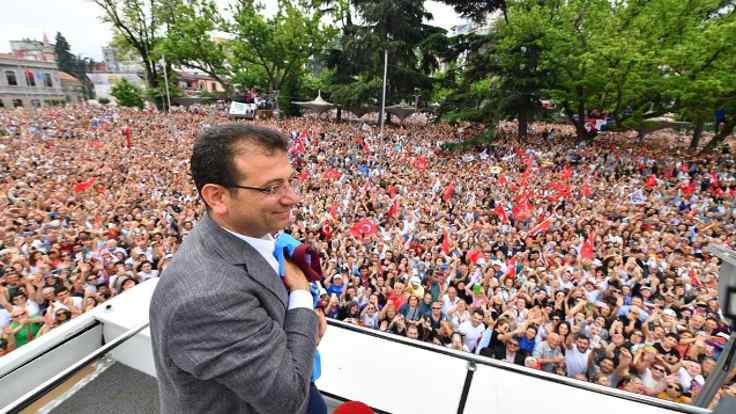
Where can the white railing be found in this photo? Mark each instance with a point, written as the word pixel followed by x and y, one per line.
pixel 391 373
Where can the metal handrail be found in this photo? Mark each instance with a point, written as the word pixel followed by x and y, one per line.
pixel 482 360
pixel 35 394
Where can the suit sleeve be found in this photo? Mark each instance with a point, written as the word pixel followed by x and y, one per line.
pixel 226 336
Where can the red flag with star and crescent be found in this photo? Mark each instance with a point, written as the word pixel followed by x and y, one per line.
pixel 363 228
pixel 84 185
pixel 587 249
pixel 420 163
pixel 500 212
pixel 585 192
pixel 651 181
pixel 446 243
pixel 394 208
pixel 449 191
pixel 511 268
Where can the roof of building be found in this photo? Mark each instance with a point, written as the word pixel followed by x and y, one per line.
pixel 67 77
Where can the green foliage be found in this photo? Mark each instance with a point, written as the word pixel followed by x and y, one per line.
pixel 73 65
pixel 137 27
pixel 127 94
pixel 190 40
pixel 277 47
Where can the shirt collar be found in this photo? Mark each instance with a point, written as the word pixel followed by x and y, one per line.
pixel 264 246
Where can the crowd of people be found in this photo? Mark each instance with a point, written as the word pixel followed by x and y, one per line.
pixel 588 260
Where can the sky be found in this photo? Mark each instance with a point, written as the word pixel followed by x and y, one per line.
pixel 79 21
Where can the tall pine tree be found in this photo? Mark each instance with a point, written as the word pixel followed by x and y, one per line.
pixel 73 65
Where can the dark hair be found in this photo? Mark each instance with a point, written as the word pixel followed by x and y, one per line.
pixel 214 151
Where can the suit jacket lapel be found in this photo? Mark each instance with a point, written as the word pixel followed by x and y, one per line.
pixel 239 252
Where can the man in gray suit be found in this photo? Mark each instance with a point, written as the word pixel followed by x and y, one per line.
pixel 229 335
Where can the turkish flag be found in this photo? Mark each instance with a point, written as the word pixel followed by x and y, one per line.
pixel 128 137
pixel 566 172
pixel 303 176
pixel 363 228
pixel 587 250
pixel 446 243
pixel 713 180
pixel 394 208
pixel 586 189
pixel 327 230
pixel 475 255
pixel 521 211
pixel 97 143
pixel 449 191
pixel 500 212
pixel 84 185
pixel 694 280
pixel 392 191
pixel 303 135
pixel 541 227
pixel 688 189
pixel 420 163
pixel 502 180
pixel 511 268
pixel 297 148
pixel 651 181
pixel 331 174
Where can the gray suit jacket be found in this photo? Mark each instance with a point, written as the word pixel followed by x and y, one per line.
pixel 223 340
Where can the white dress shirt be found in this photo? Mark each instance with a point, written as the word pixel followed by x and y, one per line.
pixel 265 247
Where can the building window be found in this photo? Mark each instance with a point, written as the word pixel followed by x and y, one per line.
pixel 10 76
pixel 30 79
pixel 35 103
pixel 47 80
pixel 17 103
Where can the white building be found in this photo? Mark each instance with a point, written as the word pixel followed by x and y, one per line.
pixel 104 81
pixel 29 83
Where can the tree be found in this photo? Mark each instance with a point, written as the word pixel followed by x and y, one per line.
pixel 73 65
pixel 127 94
pixel 64 57
pixel 136 23
pixel 190 40
pixel 477 10
pixel 279 46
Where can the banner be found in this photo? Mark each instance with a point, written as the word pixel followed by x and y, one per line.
pixel 242 109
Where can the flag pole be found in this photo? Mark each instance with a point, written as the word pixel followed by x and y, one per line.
pixel 383 97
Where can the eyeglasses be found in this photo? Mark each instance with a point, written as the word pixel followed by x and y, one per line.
pixel 436 308
pixel 276 189
pixel 660 369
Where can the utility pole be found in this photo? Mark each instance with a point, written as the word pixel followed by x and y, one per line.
pixel 383 98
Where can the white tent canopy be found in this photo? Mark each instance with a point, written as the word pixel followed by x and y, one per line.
pixel 318 104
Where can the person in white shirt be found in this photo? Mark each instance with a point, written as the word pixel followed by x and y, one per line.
pixel 576 357
pixel 472 330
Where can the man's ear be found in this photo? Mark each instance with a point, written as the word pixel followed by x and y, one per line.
pixel 217 198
